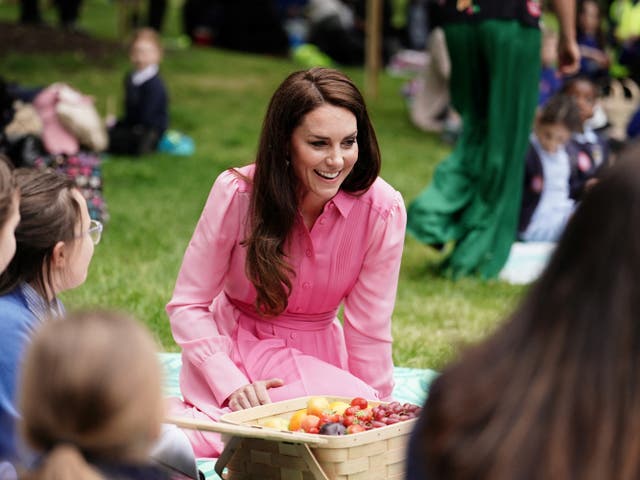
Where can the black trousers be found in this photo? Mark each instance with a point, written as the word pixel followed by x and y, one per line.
pixel 68 11
pixel 133 140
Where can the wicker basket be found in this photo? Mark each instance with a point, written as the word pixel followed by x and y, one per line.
pixel 377 454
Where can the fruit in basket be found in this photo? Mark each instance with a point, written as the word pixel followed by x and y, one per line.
pixel 348 420
pixel 295 422
pixel 311 424
pixel 359 402
pixel 333 428
pixel 365 415
pixel 330 417
pixel 353 419
pixel 278 423
pixel 338 407
pixel 351 411
pixel 355 428
pixel 317 406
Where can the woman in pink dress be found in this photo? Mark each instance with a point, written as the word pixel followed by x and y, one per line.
pixel 282 244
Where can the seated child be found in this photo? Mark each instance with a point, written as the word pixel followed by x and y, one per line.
pixel 55 241
pixel 54 245
pixel 96 410
pixel 546 202
pixel 550 79
pixel 594 60
pixel 588 148
pixel 146 107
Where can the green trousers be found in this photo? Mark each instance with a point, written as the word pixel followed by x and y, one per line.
pixel 475 194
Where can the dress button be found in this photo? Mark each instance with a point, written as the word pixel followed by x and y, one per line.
pixel 298 309
pixel 292 335
pixel 306 285
pixel 308 252
pixel 322 221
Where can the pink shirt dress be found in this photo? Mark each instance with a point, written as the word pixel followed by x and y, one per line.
pixel 351 257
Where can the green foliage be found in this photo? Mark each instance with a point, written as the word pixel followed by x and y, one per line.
pixel 219 98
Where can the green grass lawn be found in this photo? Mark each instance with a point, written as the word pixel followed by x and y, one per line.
pixel 219 98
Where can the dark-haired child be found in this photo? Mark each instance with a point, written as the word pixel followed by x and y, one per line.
pixel 546 201
pixel 594 60
pixel 589 149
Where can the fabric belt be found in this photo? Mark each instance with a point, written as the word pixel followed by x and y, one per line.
pixel 294 321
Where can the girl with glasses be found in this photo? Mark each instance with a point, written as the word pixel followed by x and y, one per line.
pixel 54 246
pixel 55 241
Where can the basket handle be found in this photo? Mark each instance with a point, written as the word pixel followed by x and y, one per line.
pixel 312 462
pixel 247 431
pixel 229 449
pixel 303 450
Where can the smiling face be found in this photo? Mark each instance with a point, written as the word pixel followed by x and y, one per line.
pixel 324 150
pixel 585 95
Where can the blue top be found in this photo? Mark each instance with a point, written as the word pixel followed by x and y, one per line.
pixel 21 312
pixel 550 83
pixel 588 66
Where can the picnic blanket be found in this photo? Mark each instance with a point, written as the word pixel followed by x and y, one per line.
pixel 412 385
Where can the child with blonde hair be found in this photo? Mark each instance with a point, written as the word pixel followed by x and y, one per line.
pixel 146 104
pixel 96 410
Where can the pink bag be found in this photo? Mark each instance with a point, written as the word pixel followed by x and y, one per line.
pixel 55 137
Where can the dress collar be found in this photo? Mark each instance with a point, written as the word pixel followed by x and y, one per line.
pixel 587 136
pixel 343 201
pixel 141 76
pixel 40 308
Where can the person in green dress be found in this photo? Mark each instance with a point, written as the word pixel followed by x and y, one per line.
pixel 475 194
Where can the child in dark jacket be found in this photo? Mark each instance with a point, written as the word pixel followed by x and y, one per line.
pixel 146 101
pixel 589 148
pixel 546 201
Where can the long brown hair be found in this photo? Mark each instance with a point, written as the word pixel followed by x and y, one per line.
pixel 274 202
pixel 91 388
pixel 48 214
pixel 555 392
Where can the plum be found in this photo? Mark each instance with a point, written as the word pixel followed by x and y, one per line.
pixel 333 428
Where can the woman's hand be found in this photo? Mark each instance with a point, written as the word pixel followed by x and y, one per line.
pixel 253 394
